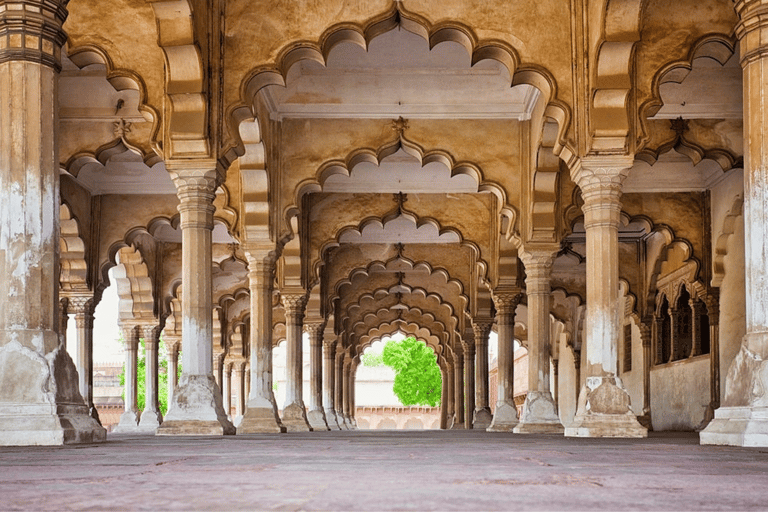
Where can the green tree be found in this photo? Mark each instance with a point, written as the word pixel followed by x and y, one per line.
pixel 372 360
pixel 417 377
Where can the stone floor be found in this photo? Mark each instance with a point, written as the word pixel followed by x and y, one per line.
pixel 385 470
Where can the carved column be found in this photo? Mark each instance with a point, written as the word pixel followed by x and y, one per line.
pixel 469 378
pixel 196 407
pixel 339 389
pixel 294 411
pixel 458 391
pixel 129 420
pixel 43 406
pixel 226 386
pixel 329 384
pixel 505 418
pixel 151 417
pixel 713 312
pixel 674 337
pixel 316 415
pixel 83 307
pixel 483 416
pixel 604 408
pixel 540 413
pixel 238 375
pixel 247 379
pixel 261 413
pixel 172 344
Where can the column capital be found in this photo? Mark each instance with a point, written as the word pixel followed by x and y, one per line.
pixel 506 300
pixel 31 30
pixel 294 303
pixel 601 178
pixel 261 262
pixel 130 335
pixel 314 329
pixel 150 332
pixel 80 304
pixel 753 22
pixel 538 263
pixel 482 329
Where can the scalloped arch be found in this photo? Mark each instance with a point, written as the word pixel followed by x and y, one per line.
pixel 74 269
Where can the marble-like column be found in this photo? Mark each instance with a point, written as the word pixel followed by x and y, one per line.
pixel 329 384
pixel 196 407
pixel 483 416
pixel 539 413
pixel 226 385
pixel 604 406
pixel 83 307
pixel 40 403
pixel 238 370
pixel 339 389
pixel 469 379
pixel 247 379
pixel 129 420
pixel 316 414
pixel 261 413
pixel 294 410
pixel 505 417
pixel 172 344
pixel 742 418
pixel 458 392
pixel 151 417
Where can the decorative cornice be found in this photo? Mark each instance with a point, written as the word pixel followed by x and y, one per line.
pixel 31 30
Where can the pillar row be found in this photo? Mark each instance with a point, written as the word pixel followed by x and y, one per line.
pixel 505 418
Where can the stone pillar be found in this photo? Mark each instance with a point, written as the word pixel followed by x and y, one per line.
pixel 238 369
pixel 63 321
pixel 347 390
pixel 604 407
pixel 172 344
pixel 83 308
pixel 316 415
pixel 469 379
pixel 40 403
pixel 151 417
pixel 226 386
pixel 329 384
pixel 261 412
pixel 449 395
pixel 505 418
pixel 294 411
pixel 458 391
pixel 697 307
pixel 352 388
pixel 196 407
pixel 247 379
pixel 483 416
pixel 674 339
pixel 539 413
pixel 646 337
pixel 129 420
pixel 339 388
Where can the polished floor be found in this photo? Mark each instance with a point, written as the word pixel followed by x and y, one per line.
pixel 385 470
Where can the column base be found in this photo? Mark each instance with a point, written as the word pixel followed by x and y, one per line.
pixel 505 419
pixel 196 409
pixel 150 420
pixel 295 418
pixel 128 424
pixel 737 426
pixel 330 417
pixel 316 420
pixel 260 420
pixel 604 411
pixel 349 423
pixel 539 415
pixel 341 422
pixel 457 425
pixel 483 418
pixel 23 424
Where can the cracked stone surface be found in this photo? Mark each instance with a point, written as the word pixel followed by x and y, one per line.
pixel 385 470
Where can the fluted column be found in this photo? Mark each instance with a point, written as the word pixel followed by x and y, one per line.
pixel 469 379
pixel 196 407
pixel 226 385
pixel 539 413
pixel 505 417
pixel 238 376
pixel 339 389
pixel 172 344
pixel 129 420
pixel 294 410
pixel 316 414
pixel 458 391
pixel 151 417
pixel 261 413
pixel 329 347
pixel 43 406
pixel 483 416
pixel 604 406
pixel 83 307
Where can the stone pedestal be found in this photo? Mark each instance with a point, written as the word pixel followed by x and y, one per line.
pixel 329 384
pixel 151 417
pixel 40 403
pixel 469 378
pixel 483 416
pixel 316 414
pixel 261 413
pixel 540 413
pixel 294 410
pixel 604 407
pixel 196 407
pixel 505 417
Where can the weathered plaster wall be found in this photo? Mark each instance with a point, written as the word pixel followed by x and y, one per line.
pixel 679 394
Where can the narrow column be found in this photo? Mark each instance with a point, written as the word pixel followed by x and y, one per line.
pixel 83 309
pixel 645 336
pixel 604 406
pixel 129 420
pixel 539 413
pixel 444 398
pixel 505 418
pixel 469 379
pixel 352 388
pixel 697 307
pixel 226 384
pixel 483 416
pixel 63 321
pixel 172 344
pixel 329 384
pixel 713 312
pixel 151 417
pixel 238 371
pixel 43 405
pixel 339 389
pixel 294 411
pixel 449 394
pixel 316 415
pixel 261 412
pixel 458 388
pixel 247 379
pixel 347 390
pixel 196 407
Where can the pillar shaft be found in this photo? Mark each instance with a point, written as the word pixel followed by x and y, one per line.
pixel 82 306
pixel 458 391
pixel 604 405
pixel 539 413
pixel 469 381
pixel 449 396
pixel 294 411
pixel 339 389
pixel 172 347
pixel 226 384
pixel 347 393
pixel 238 371
pixel 261 413
pixel 196 406
pixel 329 384
pixel 483 417
pixel 151 417
pixel 44 405
pixel 316 415
pixel 129 420
pixel 505 417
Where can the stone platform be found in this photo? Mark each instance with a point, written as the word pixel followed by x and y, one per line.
pixel 385 470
